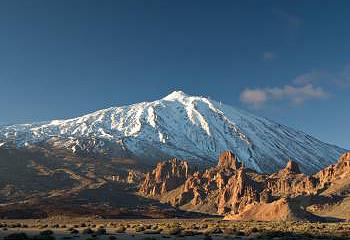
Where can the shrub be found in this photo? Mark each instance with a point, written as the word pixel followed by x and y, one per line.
pixel 152 231
pixel 87 231
pixel 74 231
pixel 155 227
pixel 213 230
pixel 148 226
pixel 189 233
pixel 120 229
pixel 101 231
pixel 15 225
pixel 46 233
pixel 206 237
pixel 204 226
pixel 229 231
pixel 16 236
pixel 172 231
pixel 139 228
pixel 44 237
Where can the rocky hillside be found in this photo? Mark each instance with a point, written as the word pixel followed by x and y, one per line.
pixel 237 192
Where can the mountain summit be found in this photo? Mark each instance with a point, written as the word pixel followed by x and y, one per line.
pixel 187 127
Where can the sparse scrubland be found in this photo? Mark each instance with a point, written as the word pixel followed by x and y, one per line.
pixel 51 229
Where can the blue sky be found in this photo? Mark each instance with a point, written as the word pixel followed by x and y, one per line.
pixel 286 60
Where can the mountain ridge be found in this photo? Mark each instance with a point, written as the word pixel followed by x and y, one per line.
pixel 178 125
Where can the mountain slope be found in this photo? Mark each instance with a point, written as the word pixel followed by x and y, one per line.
pixel 187 127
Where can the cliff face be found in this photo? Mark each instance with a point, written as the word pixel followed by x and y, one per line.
pixel 338 170
pixel 165 177
pixel 239 191
pixel 291 182
pixel 228 160
pixel 231 189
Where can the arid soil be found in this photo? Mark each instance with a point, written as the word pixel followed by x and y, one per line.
pixel 49 229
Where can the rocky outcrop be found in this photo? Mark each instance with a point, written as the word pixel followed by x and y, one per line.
pixel 165 177
pixel 238 192
pixel 227 187
pixel 290 182
pixel 233 190
pixel 334 173
pixel 345 158
pixel 228 160
pixel 131 177
pixel 292 167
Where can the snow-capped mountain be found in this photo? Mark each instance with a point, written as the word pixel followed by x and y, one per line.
pixel 188 127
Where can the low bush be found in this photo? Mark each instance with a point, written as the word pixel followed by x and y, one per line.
pixel 87 231
pixel 120 229
pixel 73 231
pixel 16 236
pixel 47 233
pixel 171 231
pixel 213 230
pixel 101 231
pixel 140 228
pixel 152 231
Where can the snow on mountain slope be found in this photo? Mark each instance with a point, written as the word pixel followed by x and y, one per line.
pixel 187 127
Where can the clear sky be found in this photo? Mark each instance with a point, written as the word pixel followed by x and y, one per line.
pixel 286 60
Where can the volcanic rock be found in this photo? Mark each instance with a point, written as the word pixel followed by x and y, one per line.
pixel 165 177
pixel 292 167
pixel 228 160
pixel 237 192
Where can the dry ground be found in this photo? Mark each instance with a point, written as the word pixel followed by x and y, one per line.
pixel 65 228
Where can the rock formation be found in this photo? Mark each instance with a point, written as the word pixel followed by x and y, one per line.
pixel 235 191
pixel 290 182
pixel 334 174
pixel 228 160
pixel 292 167
pixel 239 191
pixel 165 177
